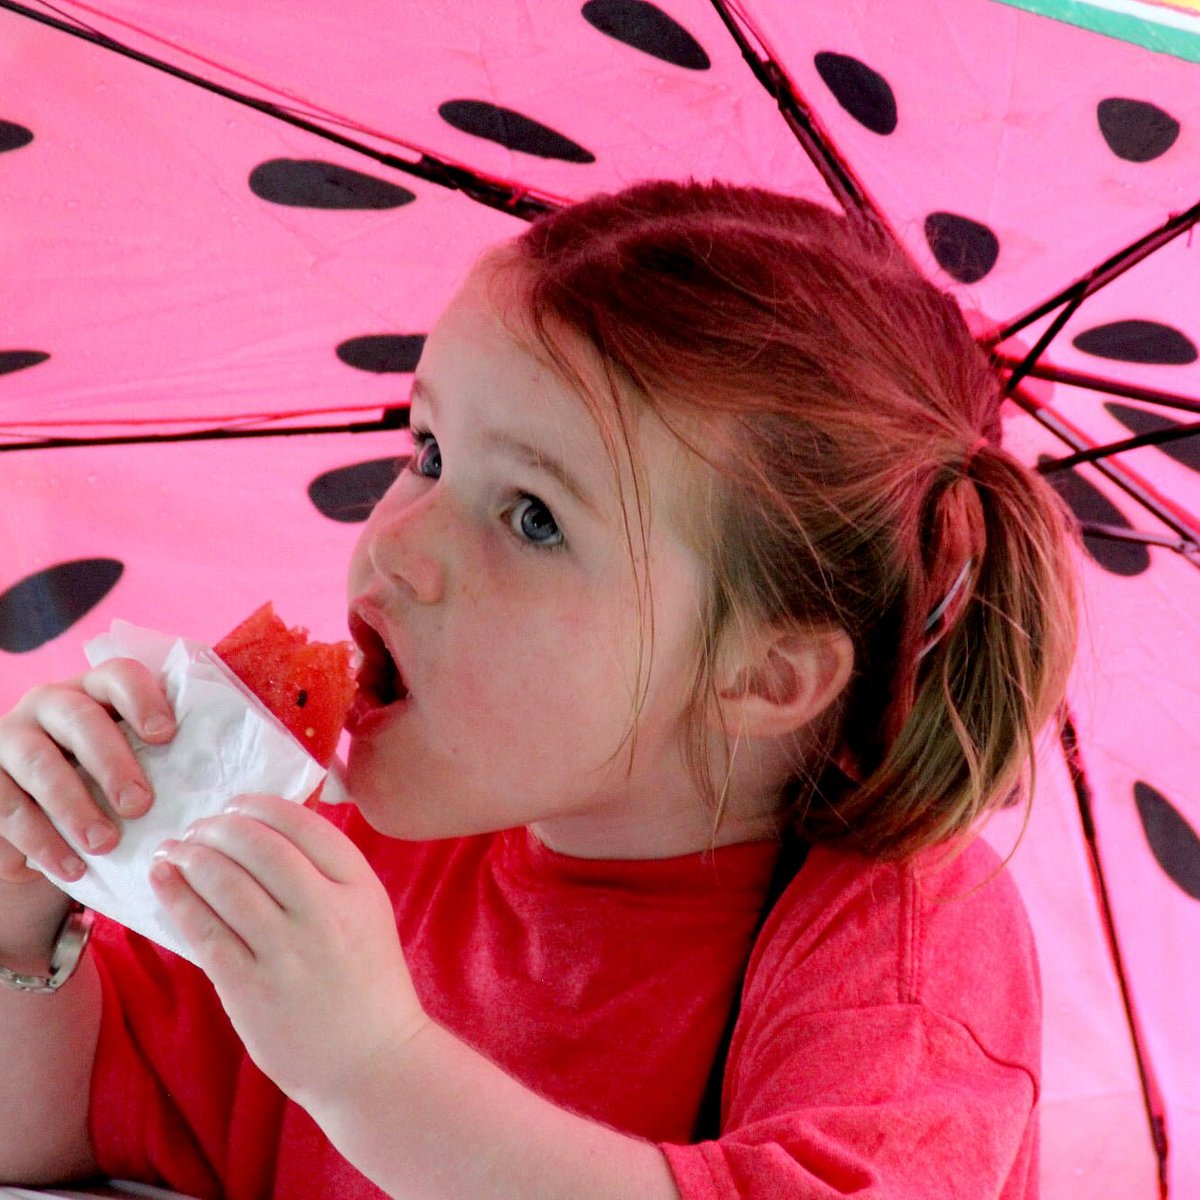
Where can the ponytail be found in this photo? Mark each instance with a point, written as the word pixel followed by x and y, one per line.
pixel 961 718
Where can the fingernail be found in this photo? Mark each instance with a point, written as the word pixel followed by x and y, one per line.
pixel 72 867
pixel 98 835
pixel 164 851
pixel 153 726
pixel 161 868
pixel 132 798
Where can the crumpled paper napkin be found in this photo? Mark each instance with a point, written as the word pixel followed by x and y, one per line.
pixel 227 744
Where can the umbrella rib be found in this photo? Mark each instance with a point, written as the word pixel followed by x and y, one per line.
pixel 1093 454
pixel 392 419
pixel 1081 785
pixel 517 201
pixel 1132 484
pixel 1096 384
pixel 1141 537
pixel 1102 275
pixel 1052 331
pixel 799 117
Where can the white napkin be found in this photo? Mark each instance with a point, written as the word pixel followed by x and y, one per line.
pixel 227 744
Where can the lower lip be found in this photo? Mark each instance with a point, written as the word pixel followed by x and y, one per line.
pixel 365 717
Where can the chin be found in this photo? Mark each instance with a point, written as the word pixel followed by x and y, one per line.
pixel 389 812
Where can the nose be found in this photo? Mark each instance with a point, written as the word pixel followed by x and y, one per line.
pixel 406 542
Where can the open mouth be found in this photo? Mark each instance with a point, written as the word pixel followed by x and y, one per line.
pixel 380 681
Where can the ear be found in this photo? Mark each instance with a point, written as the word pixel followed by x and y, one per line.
pixel 783 680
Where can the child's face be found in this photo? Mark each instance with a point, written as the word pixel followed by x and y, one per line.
pixel 497 573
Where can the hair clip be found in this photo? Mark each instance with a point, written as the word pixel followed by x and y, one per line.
pixel 938 620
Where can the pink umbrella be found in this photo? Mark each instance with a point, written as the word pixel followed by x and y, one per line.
pixel 227 226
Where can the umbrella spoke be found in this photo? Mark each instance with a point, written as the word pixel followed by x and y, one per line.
pixel 1039 348
pixel 1107 386
pixel 390 419
pixel 514 199
pixel 1154 438
pixel 1084 796
pixel 1172 515
pixel 1112 268
pixel 798 115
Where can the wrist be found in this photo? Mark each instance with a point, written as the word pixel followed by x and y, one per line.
pixel 46 968
pixel 393 1073
pixel 30 917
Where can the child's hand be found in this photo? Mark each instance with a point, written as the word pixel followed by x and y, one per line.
pixel 299 938
pixel 52 728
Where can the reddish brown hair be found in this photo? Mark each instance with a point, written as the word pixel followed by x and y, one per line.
pixel 852 426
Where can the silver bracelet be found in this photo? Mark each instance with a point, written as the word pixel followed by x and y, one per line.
pixel 69 944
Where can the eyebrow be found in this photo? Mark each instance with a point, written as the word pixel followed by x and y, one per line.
pixel 523 451
pixel 419 388
pixel 542 461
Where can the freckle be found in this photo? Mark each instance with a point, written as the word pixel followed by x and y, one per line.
pixel 302 698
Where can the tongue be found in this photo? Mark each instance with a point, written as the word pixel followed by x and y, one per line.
pixel 383 683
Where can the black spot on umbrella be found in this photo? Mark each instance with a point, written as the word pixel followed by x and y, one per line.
pixel 311 183
pixel 1091 506
pixel 1138 341
pixel 1136 130
pixel 512 129
pixel 1172 840
pixel 966 250
pixel 14 136
pixel 42 606
pixel 382 353
pixel 18 360
pixel 1185 450
pixel 862 92
pixel 348 494
pixel 646 27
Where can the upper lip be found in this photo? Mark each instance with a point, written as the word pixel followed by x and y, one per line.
pixel 379 675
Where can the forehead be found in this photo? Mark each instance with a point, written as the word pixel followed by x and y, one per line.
pixel 481 369
pixel 562 397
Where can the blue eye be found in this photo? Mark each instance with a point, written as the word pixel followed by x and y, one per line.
pixel 426 457
pixel 531 520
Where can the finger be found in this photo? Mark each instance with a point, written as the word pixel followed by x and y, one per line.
pixel 215 944
pixel 15 868
pixel 79 723
pixel 277 864
pixel 319 841
pixel 134 693
pixel 26 830
pixel 43 800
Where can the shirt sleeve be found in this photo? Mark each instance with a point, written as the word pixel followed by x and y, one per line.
pixel 891 1102
pixel 175 1100
pixel 888 1044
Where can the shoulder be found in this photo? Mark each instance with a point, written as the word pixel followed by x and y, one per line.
pixel 888 1041
pixel 944 931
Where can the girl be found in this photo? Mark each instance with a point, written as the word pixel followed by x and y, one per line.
pixel 705 547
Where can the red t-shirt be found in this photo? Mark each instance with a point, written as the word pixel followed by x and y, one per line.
pixel 888 1043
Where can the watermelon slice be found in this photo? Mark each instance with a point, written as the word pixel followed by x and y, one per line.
pixel 309 686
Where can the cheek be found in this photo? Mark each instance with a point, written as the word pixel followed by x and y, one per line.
pixel 563 663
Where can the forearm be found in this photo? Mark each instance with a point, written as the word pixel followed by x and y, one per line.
pixel 442 1122
pixel 47 1046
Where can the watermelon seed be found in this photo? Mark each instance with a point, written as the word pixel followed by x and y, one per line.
pixel 302 698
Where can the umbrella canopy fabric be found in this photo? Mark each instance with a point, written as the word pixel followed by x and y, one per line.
pixel 225 228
